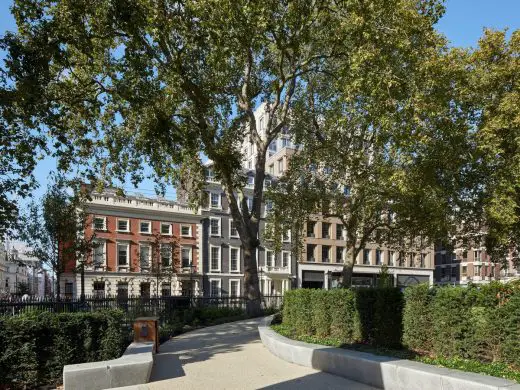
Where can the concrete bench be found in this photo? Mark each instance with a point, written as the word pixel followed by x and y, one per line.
pixel 382 372
pixel 133 368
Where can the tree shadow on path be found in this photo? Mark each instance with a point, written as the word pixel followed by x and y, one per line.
pixel 201 345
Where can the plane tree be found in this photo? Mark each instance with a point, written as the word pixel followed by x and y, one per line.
pixel 123 86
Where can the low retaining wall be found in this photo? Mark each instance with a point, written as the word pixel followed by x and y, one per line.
pixel 379 371
pixel 133 368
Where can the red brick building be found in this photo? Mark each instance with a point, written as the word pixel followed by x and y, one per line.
pixel 143 247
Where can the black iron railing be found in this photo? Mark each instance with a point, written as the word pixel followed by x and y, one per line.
pixel 132 306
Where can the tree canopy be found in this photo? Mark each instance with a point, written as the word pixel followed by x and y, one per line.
pixel 124 84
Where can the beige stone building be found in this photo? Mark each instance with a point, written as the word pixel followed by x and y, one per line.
pixel 323 255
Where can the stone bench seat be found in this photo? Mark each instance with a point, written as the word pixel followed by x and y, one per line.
pixel 382 372
pixel 133 368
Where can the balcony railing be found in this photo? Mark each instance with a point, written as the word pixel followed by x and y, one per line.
pixel 275 269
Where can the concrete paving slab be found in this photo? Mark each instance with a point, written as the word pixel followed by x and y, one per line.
pixel 231 356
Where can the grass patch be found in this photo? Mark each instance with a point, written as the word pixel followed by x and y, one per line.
pixel 497 369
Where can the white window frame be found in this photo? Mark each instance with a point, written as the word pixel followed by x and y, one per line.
pixel 369 256
pixel 147 245
pixel 219 206
pixel 104 229
pixel 232 235
pixel 238 288
pixel 289 260
pixel 219 293
pixel 149 225
pixel 127 244
pixel 280 165
pixel 342 250
pixel 381 257
pixel 288 236
pixel 211 269
pixel 238 259
pixel 268 251
pixel 190 234
pixel 169 229
pixel 127 225
pixel 190 249
pixel 391 259
pixel 170 262
pixel 219 227
pixel 103 244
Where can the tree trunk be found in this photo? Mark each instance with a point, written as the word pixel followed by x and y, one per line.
pixel 58 287
pixel 348 270
pixel 251 285
pixel 82 296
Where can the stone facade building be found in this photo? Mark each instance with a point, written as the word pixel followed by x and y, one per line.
pixel 320 263
pixel 223 260
pixel 457 265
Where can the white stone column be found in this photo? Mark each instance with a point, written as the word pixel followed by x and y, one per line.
pixel 326 278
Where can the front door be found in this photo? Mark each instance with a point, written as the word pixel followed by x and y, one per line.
pixel 145 290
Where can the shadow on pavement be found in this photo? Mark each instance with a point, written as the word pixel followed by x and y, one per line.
pixel 201 345
pixel 319 380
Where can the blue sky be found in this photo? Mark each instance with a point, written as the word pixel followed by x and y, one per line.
pixel 462 24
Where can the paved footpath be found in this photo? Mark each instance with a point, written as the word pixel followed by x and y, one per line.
pixel 231 356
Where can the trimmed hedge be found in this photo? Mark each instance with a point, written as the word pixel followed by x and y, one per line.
pixel 417 317
pixel 371 316
pixel 35 347
pixel 478 324
pixel 475 322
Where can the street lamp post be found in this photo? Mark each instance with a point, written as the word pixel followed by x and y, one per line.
pixel 260 281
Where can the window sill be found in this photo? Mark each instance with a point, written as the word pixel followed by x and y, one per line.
pixel 122 231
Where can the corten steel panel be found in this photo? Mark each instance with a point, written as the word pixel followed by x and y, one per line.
pixel 147 329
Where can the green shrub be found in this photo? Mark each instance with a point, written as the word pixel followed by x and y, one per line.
pixel 388 317
pixel 417 317
pixel 344 318
pixel 298 310
pixel 452 322
pixel 380 315
pixel 321 315
pixel 36 346
pixel 510 315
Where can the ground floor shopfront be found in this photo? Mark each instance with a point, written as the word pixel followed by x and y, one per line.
pixel 329 276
